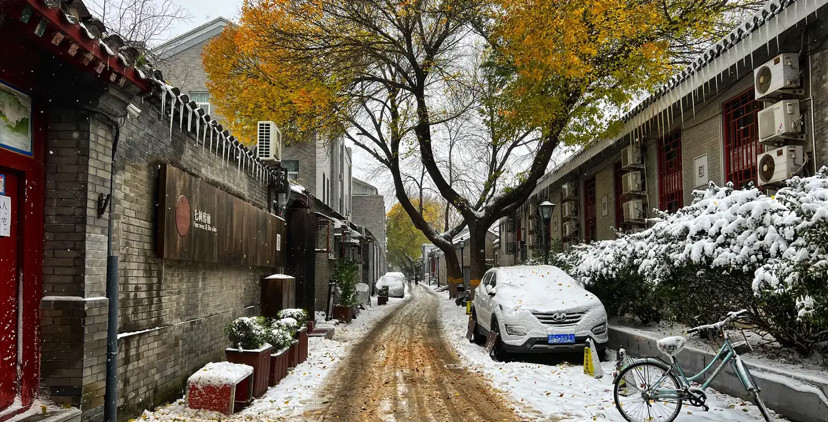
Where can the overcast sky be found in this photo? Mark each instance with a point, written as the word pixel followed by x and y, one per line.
pixel 202 11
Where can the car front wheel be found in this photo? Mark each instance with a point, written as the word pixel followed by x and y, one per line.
pixel 477 337
pixel 498 352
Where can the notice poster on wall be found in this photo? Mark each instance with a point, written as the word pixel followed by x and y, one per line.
pixel 5 216
pixel 15 120
pixel 202 223
pixel 700 170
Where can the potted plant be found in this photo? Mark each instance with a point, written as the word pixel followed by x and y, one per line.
pixel 300 316
pixel 281 340
pixel 344 277
pixel 290 326
pixel 248 346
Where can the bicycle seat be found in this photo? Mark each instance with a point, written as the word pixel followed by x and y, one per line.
pixel 671 346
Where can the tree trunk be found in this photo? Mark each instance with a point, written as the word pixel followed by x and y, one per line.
pixel 453 272
pixel 477 255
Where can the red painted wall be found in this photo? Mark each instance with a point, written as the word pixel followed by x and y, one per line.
pixel 16 68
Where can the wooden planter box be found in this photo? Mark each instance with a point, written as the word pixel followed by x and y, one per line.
pixel 222 392
pixel 278 366
pixel 343 313
pixel 302 337
pixel 259 359
pixel 311 326
pixel 293 355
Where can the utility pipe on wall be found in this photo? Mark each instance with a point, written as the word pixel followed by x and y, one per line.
pixel 111 391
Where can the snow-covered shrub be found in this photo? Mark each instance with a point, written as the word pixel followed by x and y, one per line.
pixel 627 292
pixel 246 332
pixel 729 249
pixel 795 284
pixel 278 337
pixel 696 295
pixel 300 315
pixel 288 325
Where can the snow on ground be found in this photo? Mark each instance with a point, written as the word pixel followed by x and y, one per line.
pixel 289 399
pixel 561 389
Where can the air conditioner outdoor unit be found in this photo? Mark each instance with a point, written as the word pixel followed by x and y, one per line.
pixel 779 164
pixel 631 157
pixel 631 182
pixel 634 211
pixel 781 72
pixel 268 142
pixel 568 190
pixel 780 121
pixel 570 210
pixel 570 229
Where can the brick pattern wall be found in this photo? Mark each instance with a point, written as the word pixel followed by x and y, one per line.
pixel 819 97
pixel 64 246
pixel 369 211
pixel 305 153
pixel 604 195
pixel 172 314
pixel 185 70
pixel 324 270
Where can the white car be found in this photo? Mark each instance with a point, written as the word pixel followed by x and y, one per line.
pixel 537 309
pixel 395 282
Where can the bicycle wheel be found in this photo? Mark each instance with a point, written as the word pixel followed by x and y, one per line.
pixel 633 386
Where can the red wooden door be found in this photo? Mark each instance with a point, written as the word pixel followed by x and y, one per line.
pixel 590 212
pixel 9 293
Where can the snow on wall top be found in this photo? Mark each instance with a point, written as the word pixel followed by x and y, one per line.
pixel 220 373
pixel 279 277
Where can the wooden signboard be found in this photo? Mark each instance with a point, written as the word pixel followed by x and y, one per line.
pixel 200 223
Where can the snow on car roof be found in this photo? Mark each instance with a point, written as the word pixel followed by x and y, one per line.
pixel 538 287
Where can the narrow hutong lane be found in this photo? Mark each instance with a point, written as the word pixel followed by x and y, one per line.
pixel 405 371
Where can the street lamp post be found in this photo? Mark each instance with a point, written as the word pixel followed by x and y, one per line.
pixel 545 209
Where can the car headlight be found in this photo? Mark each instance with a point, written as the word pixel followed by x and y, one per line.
pixel 515 330
pixel 600 328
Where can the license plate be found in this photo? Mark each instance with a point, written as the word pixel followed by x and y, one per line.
pixel 561 338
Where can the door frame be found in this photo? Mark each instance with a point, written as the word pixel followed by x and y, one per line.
pixel 30 171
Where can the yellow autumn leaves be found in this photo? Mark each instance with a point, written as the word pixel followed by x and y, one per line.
pixel 305 63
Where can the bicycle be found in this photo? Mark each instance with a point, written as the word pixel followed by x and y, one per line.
pixel 650 389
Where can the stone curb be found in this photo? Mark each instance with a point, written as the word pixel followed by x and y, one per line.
pixel 798 397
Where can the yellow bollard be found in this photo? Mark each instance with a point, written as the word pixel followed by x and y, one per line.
pixel 468 308
pixel 589 369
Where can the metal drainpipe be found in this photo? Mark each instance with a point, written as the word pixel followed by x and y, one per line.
pixel 111 392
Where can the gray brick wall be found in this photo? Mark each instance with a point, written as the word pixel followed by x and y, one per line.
pixel 819 95
pixel 604 186
pixel 305 153
pixel 369 211
pixel 324 270
pixel 179 309
pixel 185 69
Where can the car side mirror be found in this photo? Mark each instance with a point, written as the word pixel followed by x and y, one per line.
pixel 492 291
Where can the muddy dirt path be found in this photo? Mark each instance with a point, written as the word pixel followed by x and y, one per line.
pixel 405 371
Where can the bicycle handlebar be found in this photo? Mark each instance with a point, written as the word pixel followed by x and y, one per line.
pixel 718 326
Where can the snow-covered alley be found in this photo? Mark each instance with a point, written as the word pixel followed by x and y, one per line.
pixel 410 361
pixel 558 389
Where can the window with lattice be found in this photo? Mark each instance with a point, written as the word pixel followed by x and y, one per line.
pixel 670 189
pixel 741 138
